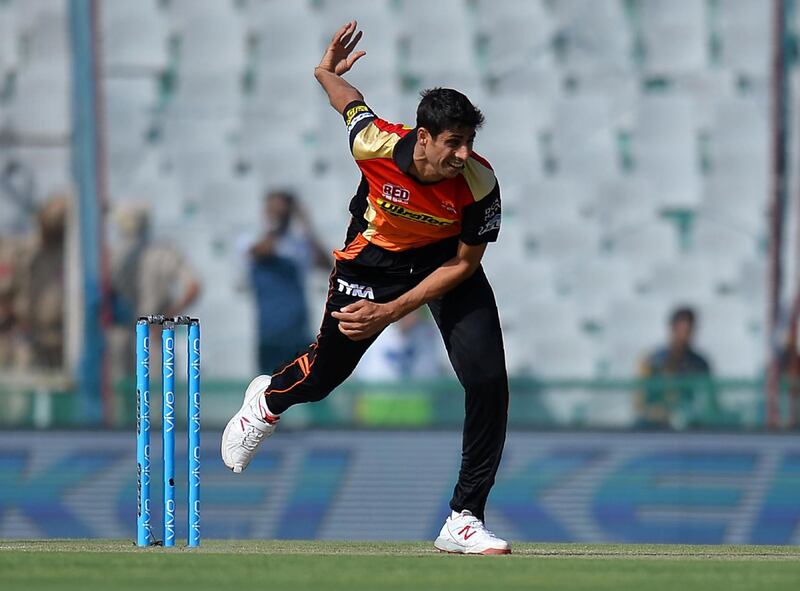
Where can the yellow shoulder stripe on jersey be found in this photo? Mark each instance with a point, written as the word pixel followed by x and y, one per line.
pixel 372 142
pixel 481 180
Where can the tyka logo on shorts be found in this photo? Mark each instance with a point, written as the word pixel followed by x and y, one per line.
pixel 356 290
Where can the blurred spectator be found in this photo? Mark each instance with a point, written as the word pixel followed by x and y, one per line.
pixel 667 402
pixel 42 292
pixel 408 349
pixel 9 285
pixel 147 277
pixel 789 369
pixel 278 263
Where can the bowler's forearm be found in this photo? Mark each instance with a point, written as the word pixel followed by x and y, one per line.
pixel 340 92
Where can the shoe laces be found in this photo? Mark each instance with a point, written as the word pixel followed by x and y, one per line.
pixel 252 437
pixel 477 524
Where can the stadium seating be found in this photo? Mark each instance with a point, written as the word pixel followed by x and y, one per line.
pixel 134 37
pixel 724 245
pixel 47 167
pixel 625 203
pixel 582 132
pixel 552 201
pixel 744 27
pixel 8 41
pixel 40 107
pixel 633 167
pixel 665 149
pixel 737 203
pixel 515 35
pixel 632 328
pixel 644 244
pixel 130 106
pixel 281 49
pixel 564 356
pixel 662 23
pixel 733 341
pixel 162 194
pixel 517 157
pixel 592 283
pixel 596 36
pixel 684 280
pixel 376 19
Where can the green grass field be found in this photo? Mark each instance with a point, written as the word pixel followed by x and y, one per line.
pixel 378 566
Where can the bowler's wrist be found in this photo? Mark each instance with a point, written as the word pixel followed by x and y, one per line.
pixel 396 309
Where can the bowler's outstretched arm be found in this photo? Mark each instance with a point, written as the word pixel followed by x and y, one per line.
pixel 338 60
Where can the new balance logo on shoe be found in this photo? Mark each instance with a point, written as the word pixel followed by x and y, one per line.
pixel 356 290
pixel 465 531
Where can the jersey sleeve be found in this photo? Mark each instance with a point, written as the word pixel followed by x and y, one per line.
pixel 480 222
pixel 357 116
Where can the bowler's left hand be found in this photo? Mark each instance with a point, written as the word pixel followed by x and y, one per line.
pixel 363 319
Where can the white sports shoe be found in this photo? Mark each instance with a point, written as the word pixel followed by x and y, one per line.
pixel 463 533
pixel 248 427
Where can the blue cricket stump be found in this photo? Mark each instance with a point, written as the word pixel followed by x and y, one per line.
pixel 144 535
pixel 168 427
pixel 193 415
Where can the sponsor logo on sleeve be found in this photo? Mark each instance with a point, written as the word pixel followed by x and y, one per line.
pixel 492 224
pixel 491 210
pixel 354 112
pixel 358 118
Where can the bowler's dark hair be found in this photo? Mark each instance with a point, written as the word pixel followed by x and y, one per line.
pixel 684 313
pixel 444 108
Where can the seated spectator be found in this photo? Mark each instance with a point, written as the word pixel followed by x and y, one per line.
pixel 9 272
pixel 677 377
pixel 42 287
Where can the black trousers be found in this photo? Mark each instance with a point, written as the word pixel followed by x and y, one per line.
pixel 468 321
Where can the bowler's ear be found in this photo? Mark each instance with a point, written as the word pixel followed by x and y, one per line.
pixel 423 136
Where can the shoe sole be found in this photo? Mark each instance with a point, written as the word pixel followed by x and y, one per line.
pixel 248 396
pixel 487 552
pixel 450 548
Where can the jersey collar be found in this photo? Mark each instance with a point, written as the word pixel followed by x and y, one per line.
pixel 403 153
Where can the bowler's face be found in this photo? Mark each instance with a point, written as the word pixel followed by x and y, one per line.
pixel 449 151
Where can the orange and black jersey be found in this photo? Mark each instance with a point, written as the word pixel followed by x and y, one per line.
pixel 399 214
